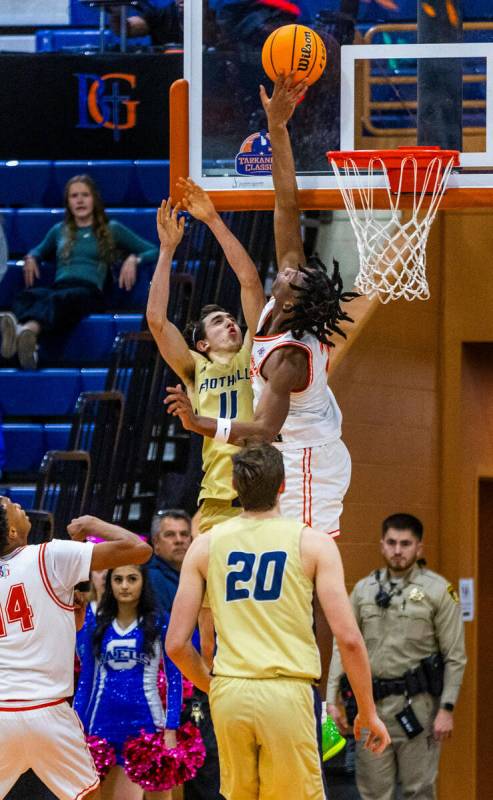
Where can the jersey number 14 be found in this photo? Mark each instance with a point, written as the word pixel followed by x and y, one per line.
pixel 17 609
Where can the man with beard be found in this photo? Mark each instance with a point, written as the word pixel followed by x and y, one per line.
pixel 411 622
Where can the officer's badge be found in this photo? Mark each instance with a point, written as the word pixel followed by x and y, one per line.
pixel 416 595
pixel 453 594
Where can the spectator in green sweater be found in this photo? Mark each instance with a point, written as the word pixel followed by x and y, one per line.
pixel 84 246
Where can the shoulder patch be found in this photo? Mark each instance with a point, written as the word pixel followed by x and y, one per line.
pixel 453 594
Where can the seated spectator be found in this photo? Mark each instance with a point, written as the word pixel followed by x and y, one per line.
pixel 85 245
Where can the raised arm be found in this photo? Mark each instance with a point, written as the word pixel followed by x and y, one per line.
pixel 286 371
pixel 120 547
pixel 199 205
pixel 170 341
pixel 185 614
pixel 287 230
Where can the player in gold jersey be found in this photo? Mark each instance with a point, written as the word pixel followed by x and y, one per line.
pixel 261 571
pixel 214 362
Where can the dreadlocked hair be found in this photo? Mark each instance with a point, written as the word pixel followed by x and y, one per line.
pixel 318 310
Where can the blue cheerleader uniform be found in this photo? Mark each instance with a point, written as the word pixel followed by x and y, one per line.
pixel 117 696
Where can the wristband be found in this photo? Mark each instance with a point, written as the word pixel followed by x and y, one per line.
pixel 223 429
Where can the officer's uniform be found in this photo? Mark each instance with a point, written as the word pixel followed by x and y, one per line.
pixel 423 617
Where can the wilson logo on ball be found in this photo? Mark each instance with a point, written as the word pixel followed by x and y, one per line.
pixel 294 48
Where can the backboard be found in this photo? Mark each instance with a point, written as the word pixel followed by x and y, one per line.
pixel 381 89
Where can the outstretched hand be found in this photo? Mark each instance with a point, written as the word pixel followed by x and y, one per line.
pixel 169 227
pixel 196 200
pixel 179 405
pixel 285 97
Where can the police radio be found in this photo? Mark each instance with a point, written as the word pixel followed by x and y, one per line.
pixel 383 597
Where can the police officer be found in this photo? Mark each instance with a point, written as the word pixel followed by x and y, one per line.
pixel 412 625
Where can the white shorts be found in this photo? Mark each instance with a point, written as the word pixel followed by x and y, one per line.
pixel 317 479
pixel 50 741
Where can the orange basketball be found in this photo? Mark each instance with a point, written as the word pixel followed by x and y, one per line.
pixel 294 48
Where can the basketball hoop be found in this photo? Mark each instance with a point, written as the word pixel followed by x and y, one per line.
pixel 392 253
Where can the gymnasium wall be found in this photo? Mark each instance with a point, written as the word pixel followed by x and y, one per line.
pixel 416 392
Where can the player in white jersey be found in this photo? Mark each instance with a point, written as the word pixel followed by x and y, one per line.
pixel 294 407
pixel 38 729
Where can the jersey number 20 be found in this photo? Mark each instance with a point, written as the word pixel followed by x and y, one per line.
pixel 269 572
pixel 17 609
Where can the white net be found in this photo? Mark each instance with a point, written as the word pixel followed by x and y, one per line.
pixel 392 249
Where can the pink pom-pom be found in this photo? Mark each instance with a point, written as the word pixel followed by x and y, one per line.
pixel 161 685
pixel 156 768
pixel 103 754
pixel 188 689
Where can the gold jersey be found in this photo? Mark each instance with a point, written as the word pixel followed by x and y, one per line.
pixel 261 600
pixel 222 391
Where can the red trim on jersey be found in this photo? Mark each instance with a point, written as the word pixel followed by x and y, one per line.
pixel 46 580
pixel 309 485
pixel 291 344
pixel 258 338
pixel 31 708
pixel 84 792
pixel 334 533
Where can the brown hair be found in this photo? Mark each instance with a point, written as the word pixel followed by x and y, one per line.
pixel 258 474
pixel 195 331
pixel 100 224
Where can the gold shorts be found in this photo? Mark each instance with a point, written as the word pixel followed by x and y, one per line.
pixel 267 738
pixel 212 512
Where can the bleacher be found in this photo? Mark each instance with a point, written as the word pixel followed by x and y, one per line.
pixel 39 408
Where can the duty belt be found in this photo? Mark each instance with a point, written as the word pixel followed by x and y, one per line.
pixel 413 682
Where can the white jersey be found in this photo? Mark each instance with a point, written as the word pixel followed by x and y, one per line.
pixel 37 624
pixel 314 417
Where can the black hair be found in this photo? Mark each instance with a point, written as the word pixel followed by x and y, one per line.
pixel 172 513
pixel 318 307
pixel 258 473
pixel 146 614
pixel 195 331
pixel 403 522
pixel 4 528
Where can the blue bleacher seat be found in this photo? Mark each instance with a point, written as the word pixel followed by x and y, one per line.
pixel 55 436
pixel 24 495
pixel 70 40
pixel 47 392
pixel 153 180
pixel 13 281
pixel 24 446
pixel 112 177
pixel 31 225
pixel 137 296
pixel 140 220
pixel 127 322
pixel 93 380
pixel 91 340
pixel 24 182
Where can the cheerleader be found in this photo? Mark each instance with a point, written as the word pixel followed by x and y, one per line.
pixel 117 697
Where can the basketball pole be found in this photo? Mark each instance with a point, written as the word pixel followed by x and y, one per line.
pixel 440 80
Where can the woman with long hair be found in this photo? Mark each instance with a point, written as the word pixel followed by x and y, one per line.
pixel 117 697
pixel 84 245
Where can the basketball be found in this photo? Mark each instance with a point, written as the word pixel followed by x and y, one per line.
pixel 294 48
